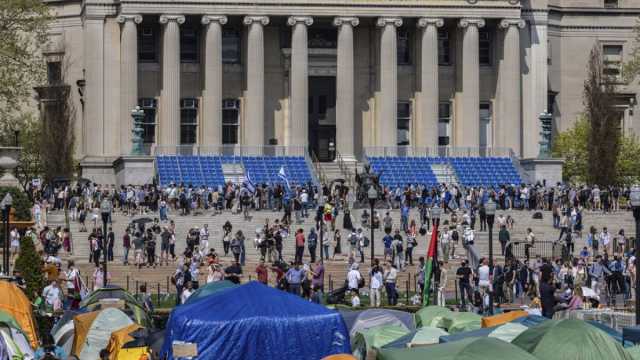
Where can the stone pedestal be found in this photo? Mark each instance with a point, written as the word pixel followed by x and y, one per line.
pixel 539 170
pixel 98 169
pixel 134 170
pixel 8 162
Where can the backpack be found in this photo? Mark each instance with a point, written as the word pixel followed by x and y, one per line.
pixel 365 241
pixel 455 236
pixel 399 248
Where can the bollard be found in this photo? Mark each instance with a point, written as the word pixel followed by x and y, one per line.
pixel 137 287
pixel 127 282
pixel 158 300
pixel 167 285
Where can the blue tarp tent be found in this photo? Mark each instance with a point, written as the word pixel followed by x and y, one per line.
pixel 254 321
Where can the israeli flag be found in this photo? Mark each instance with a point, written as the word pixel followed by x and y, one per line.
pixel 283 176
pixel 249 184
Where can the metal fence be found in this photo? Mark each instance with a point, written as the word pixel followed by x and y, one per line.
pixel 439 151
pixel 547 249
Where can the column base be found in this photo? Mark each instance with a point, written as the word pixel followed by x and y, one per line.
pixel 98 169
pixel 547 171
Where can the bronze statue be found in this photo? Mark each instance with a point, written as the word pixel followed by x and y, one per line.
pixel 365 181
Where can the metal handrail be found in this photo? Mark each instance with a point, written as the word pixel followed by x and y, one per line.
pixel 344 169
pixel 439 151
pixel 316 165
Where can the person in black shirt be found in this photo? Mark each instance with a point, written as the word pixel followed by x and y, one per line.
pixel 546 271
pixel 111 239
pixel 233 273
pixel 463 274
pixel 547 298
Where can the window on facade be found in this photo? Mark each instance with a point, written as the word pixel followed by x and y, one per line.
pixel 54 72
pixel 485 124
pixel 404 47
pixel 188 121
pixel 147 44
pixel 231 46
pixel 188 45
pixel 149 106
pixel 230 121
pixel 485 48
pixel 610 4
pixel 444 47
pixel 320 38
pixel 404 123
pixel 612 61
pixel 444 124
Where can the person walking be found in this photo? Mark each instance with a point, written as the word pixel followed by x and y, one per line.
pixel 300 240
pixel 464 274
pixel 390 277
pixel 375 283
pixel 312 244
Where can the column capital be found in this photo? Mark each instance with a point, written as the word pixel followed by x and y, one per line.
pixel 293 20
pixel 505 23
pixel 248 20
pixel 123 18
pixel 464 23
pixel 164 19
pixel 208 19
pixel 384 21
pixel 426 21
pixel 340 20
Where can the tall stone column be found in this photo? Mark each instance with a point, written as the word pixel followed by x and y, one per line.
pixel 509 125
pixel 299 76
pixel 211 128
pixel 387 121
pixel 128 77
pixel 254 116
pixel 467 122
pixel 345 89
pixel 427 124
pixel 170 94
pixel 93 127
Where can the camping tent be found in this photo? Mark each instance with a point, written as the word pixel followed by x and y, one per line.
pixel 209 289
pixel 502 332
pixel 119 338
pixel 499 319
pixel 374 338
pixel 362 320
pixel 557 339
pixel 425 316
pixel 223 326
pixel 15 303
pixel 456 322
pixel 425 335
pixel 132 306
pixel 472 348
pixel 14 343
pixel 93 330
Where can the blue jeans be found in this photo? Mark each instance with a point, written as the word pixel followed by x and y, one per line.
pixel 125 256
pixel 243 252
pixel 294 289
pixel 392 295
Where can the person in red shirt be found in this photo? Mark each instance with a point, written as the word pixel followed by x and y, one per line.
pixel 263 273
pixel 299 246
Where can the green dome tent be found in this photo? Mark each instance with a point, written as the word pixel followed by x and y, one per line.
pixel 425 335
pixel 570 339
pixel 426 315
pixel 456 322
pixel 374 338
pixel 209 289
pixel 471 348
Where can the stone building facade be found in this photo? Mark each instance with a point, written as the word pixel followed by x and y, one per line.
pixel 333 76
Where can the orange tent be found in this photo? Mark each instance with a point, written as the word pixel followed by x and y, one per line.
pixel 82 323
pixel 340 357
pixel 14 302
pixel 495 320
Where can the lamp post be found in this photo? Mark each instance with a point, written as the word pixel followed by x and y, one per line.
pixel 320 213
pixel 105 210
pixel 6 213
pixel 436 211
pixel 634 200
pixel 372 194
pixel 490 210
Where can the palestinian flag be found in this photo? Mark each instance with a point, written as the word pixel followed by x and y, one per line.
pixel 428 265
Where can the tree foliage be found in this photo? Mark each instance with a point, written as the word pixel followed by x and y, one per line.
pixel 21 203
pixel 572 146
pixel 23 25
pixel 631 68
pixel 604 122
pixel 30 265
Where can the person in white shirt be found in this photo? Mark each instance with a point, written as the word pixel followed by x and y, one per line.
pixel 445 240
pixel 204 239
pixel 605 238
pixel 353 278
pixel 375 284
pixel 52 295
pixel 186 292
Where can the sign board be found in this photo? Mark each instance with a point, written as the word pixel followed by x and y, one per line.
pixel 184 349
pixel 112 303
pixel 36 182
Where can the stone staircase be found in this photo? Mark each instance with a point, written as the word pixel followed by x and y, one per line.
pixel 335 269
pixel 444 173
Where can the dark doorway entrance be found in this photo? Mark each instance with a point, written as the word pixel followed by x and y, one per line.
pixel 322 117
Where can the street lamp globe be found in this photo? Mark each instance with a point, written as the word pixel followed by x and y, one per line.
pixel 372 194
pixel 490 207
pixel 436 211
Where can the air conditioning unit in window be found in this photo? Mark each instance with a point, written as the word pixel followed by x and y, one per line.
pixel 230 104
pixel 189 103
pixel 147 103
